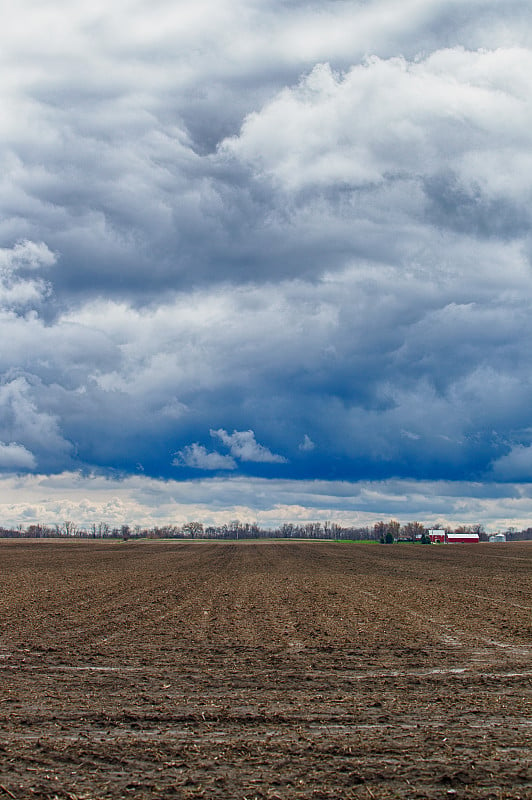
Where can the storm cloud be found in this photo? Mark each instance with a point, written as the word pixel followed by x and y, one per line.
pixel 275 242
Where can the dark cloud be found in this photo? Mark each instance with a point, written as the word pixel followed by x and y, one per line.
pixel 267 240
pixel 467 210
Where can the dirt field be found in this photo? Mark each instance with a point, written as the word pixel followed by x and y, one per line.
pixel 264 670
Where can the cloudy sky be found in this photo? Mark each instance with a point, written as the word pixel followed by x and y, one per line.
pixel 266 258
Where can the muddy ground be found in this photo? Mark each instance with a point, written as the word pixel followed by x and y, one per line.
pixel 151 669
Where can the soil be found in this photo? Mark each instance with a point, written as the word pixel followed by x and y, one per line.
pixel 276 670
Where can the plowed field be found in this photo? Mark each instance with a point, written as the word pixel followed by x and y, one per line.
pixel 152 669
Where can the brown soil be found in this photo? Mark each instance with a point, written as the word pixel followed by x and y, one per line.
pixel 264 670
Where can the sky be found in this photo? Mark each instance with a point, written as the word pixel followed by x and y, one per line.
pixel 267 260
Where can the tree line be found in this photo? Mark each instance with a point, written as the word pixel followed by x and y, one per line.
pixel 386 532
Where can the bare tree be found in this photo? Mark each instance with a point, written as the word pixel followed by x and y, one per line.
pixel 412 530
pixel 193 529
pixel 380 530
pixel 69 528
pixel 394 528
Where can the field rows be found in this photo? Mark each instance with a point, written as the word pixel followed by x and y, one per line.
pixel 264 670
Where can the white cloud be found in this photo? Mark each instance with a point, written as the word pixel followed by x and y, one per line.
pixel 307 444
pixel 145 501
pixel 35 429
pixel 387 120
pixel 243 445
pixel 21 294
pixel 17 292
pixel 197 456
pixel 26 255
pixel 15 456
pixel 515 465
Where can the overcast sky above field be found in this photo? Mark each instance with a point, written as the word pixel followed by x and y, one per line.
pixel 266 259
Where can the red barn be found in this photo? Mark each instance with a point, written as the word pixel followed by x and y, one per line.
pixel 437 536
pixel 462 538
